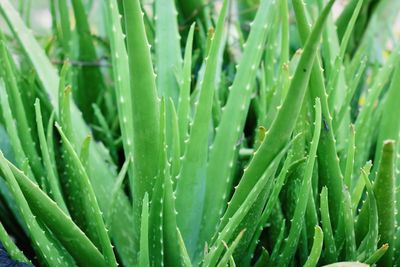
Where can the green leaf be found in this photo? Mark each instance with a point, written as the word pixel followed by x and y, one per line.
pixel 69 234
pixel 91 210
pixel 10 126
pixel 191 179
pixel 88 92
pixel 18 111
pixel 117 187
pixel 144 108
pixel 227 232
pixel 329 169
pixel 144 234
pixel 359 188
pixel 184 94
pixel 52 179
pixel 11 248
pixel 128 242
pixel 363 123
pixel 374 258
pixel 168 51
pixel 270 204
pixel 263 259
pixel 230 249
pixel 305 190
pixel 52 253
pixel 316 248
pixel 102 173
pixel 230 128
pixel 350 159
pixel 384 190
pixel 283 125
pixel 277 246
pixel 369 243
pixel 156 216
pixel 329 241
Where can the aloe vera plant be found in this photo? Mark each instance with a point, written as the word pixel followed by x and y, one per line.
pixel 196 133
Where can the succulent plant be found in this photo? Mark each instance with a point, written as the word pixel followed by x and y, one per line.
pixel 163 135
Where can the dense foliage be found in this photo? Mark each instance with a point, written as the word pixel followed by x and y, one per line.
pixel 200 133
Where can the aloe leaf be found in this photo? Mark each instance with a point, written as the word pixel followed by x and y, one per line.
pixel 88 92
pixel 305 190
pixel 184 93
pixel 271 203
pixel 168 61
pixel 127 243
pixel 183 252
pixel 156 215
pixel 69 234
pixel 385 199
pixel 253 216
pixel 330 42
pixel 225 235
pixel 191 179
pixel 167 47
pixel 6 148
pixel 353 84
pixel 64 112
pixel 69 180
pixel 359 187
pixel 277 246
pixel 18 111
pixel 46 73
pixel 329 170
pixel 285 39
pixel 175 150
pixel 270 54
pixel 50 142
pixel 144 234
pixel 65 28
pixel 362 24
pixel 108 136
pixel 381 252
pixel 11 248
pixel 384 189
pixel 219 170
pixel 390 124
pixel 230 249
pixel 348 225
pixel 329 241
pixel 90 207
pixel 102 174
pixel 84 153
pixel 262 100
pixel 263 259
pixel 369 243
pixel 311 216
pixel 284 123
pixel 334 75
pixel 117 186
pixel 363 121
pixel 145 110
pixel 19 153
pixel 120 64
pixel 51 252
pixel 273 85
pixel 52 180
pixel 173 256
pixel 316 248
pixel 350 159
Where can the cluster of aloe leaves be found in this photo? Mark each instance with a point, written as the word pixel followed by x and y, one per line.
pixel 176 133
